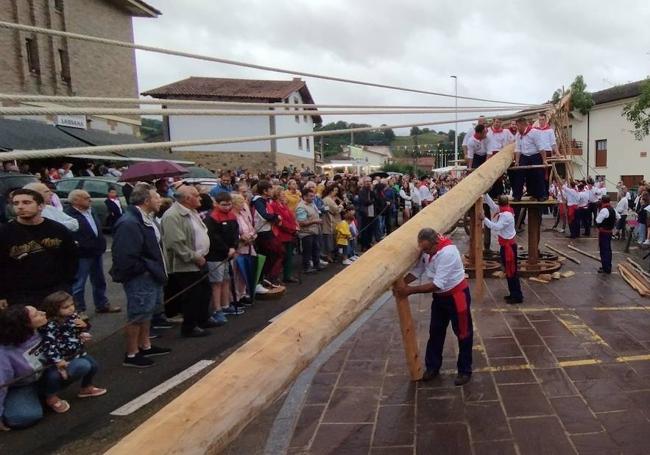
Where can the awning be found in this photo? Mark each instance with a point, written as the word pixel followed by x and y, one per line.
pixel 118 158
pixel 33 135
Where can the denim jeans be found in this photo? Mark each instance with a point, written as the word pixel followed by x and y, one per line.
pixel 83 368
pixel 310 251
pixel 143 298
pixel 22 406
pixel 93 267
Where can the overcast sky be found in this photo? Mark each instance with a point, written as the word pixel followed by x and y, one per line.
pixel 506 50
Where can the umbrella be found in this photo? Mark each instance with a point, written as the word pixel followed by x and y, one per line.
pixel 381 174
pixel 246 265
pixel 152 170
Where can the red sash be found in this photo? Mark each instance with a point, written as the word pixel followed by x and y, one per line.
pixel 571 213
pixel 509 255
pixel 461 306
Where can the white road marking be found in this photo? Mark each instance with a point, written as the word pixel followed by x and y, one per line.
pixel 160 389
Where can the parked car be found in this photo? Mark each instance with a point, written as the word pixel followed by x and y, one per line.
pixel 10 181
pixel 97 187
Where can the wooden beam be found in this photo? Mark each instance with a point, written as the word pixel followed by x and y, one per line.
pixel 409 337
pixel 211 413
pixel 584 253
pixel 562 253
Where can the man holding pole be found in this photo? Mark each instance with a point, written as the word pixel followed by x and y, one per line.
pixel 441 266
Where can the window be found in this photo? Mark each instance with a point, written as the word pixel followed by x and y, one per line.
pixel 300 143
pixel 96 188
pixel 63 187
pixel 64 61
pixel 308 145
pixel 631 181
pixel 297 117
pixel 32 55
pixel 58 5
pixel 601 153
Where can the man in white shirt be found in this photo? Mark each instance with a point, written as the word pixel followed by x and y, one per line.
pixel 572 198
pixel 548 135
pixel 476 148
pixel 504 226
pixel 441 267
pixel 528 148
pixel 606 220
pixel 583 209
pixel 426 197
pixel 622 207
pixel 497 137
pixel 470 133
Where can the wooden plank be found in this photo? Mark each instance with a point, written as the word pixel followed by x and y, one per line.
pixel 584 253
pixel 409 337
pixel 211 413
pixel 477 247
pixel 562 253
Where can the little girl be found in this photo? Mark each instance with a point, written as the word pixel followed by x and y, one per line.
pixel 64 336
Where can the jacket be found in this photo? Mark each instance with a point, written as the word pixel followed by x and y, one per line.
pixel 331 216
pixel 89 243
pixel 223 233
pixel 136 249
pixel 262 215
pixel 246 230
pixel 178 240
pixel 114 212
pixel 307 212
pixel 286 231
pixel 367 198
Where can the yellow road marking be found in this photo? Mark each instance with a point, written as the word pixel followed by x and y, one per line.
pixel 633 358
pixel 577 363
pixel 539 309
pixel 578 328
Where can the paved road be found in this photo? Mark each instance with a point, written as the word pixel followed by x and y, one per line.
pixel 89 428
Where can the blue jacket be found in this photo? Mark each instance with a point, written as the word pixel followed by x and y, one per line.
pixel 136 249
pixel 89 243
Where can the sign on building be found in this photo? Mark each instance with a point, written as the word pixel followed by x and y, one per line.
pixel 73 121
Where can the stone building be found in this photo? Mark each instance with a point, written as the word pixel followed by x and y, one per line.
pixel 259 155
pixel 40 64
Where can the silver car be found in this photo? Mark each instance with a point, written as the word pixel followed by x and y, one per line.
pixel 96 187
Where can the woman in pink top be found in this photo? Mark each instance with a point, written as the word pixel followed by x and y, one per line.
pixel 247 236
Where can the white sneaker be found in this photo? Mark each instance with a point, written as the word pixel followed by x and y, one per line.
pixel 259 289
pixel 323 263
pixel 347 262
pixel 354 258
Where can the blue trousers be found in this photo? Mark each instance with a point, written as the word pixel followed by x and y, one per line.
pixel 23 406
pixel 534 178
pixel 478 160
pixel 514 285
pixel 605 247
pixel 454 309
pixel 94 268
pixel 83 368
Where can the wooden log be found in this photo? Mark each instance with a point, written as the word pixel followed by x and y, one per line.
pixel 640 279
pixel 555 250
pixel 212 412
pixel 530 166
pixel 584 253
pixel 409 337
pixel 638 267
pixel 629 279
pixel 539 280
pixel 568 274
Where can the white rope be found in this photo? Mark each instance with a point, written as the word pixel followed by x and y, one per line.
pixel 178 102
pixel 64 110
pixel 53 153
pixel 111 42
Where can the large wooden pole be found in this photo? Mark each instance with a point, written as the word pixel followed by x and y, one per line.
pixel 409 337
pixel 210 414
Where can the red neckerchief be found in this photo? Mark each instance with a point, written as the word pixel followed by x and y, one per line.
pixel 547 127
pixel 494 130
pixel 605 205
pixel 220 216
pixel 477 137
pixel 528 128
pixel 513 130
pixel 506 208
pixel 443 242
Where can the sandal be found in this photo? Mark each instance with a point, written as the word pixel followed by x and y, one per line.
pixel 92 391
pixel 60 406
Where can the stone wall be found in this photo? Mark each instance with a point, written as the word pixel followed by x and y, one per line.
pixel 254 161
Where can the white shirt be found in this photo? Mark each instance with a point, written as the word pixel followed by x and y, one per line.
pixel 572 196
pixel 622 206
pixel 504 224
pixel 530 143
pixel 201 239
pixel 88 215
pixel 445 268
pixel 604 214
pixel 496 141
pixel 476 147
pixel 470 133
pixel 52 213
pixel 117 203
pixel 583 198
pixel 548 138
pixel 425 193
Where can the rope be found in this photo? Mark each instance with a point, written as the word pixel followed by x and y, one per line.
pixel 65 151
pixel 126 111
pixel 178 102
pixel 111 42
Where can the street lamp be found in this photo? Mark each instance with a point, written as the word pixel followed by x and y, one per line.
pixel 456 116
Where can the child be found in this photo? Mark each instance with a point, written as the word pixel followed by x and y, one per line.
pixel 64 336
pixel 343 236
pixel 223 231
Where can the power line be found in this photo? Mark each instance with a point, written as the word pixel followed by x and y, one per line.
pixel 159 50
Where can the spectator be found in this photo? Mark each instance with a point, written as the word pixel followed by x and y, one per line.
pixel 113 171
pixel 293 195
pixel 114 207
pixel 186 242
pixel 37 256
pixel 367 200
pixel 332 205
pixel 139 264
pixel 390 215
pixel 343 237
pixel 246 246
pixel 63 337
pixel 223 231
pixel 309 220
pixel 21 364
pixel 162 187
pixel 285 232
pixel 49 211
pixel 267 243
pixel 88 170
pixel 92 245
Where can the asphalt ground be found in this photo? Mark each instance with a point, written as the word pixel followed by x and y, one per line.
pixel 88 427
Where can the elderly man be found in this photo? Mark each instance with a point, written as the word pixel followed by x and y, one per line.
pixel 92 246
pixel 441 267
pixel 37 256
pixel 139 264
pixel 49 211
pixel 367 200
pixel 186 243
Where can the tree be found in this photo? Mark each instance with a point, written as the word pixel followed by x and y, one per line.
pixel 580 98
pixel 638 112
pixel 450 136
pixel 415 131
pixel 389 136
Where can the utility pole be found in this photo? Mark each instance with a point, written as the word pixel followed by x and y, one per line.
pixel 456 116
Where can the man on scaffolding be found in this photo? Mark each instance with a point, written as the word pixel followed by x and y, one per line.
pixel 441 267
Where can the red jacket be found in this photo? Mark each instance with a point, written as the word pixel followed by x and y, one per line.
pixel 285 232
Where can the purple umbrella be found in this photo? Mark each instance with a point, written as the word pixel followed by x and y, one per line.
pixel 152 170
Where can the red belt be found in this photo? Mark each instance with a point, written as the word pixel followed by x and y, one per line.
pixel 461 305
pixel 460 287
pixel 510 259
pixel 605 231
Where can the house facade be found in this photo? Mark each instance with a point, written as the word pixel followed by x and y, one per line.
pixel 255 155
pixel 604 144
pixel 40 64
